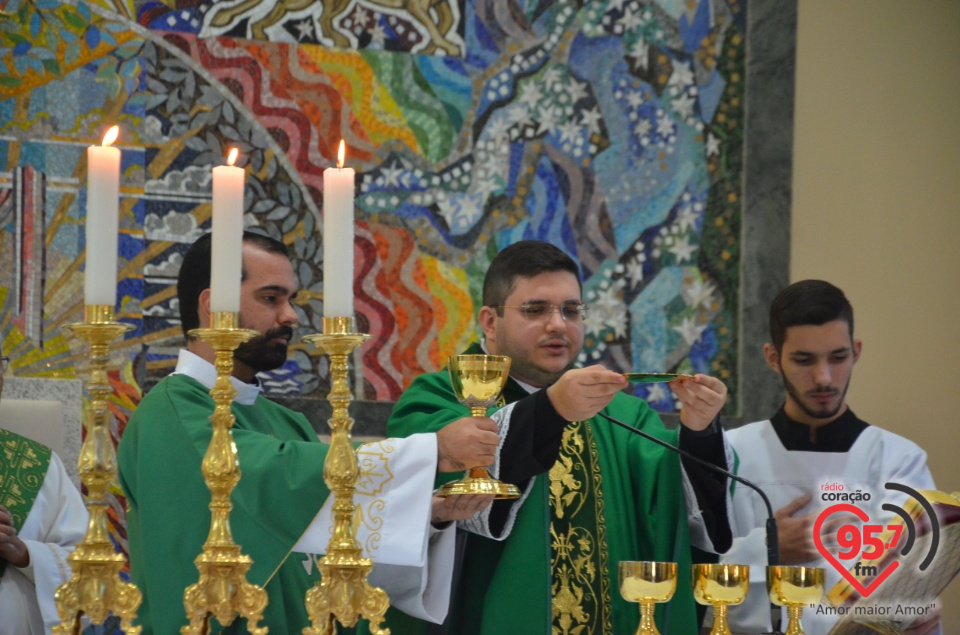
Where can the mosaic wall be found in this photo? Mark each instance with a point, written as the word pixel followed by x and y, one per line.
pixel 612 128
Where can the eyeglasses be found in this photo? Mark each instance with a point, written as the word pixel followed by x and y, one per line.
pixel 543 311
pixel 4 362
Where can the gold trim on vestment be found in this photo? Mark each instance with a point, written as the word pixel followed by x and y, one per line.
pixel 580 590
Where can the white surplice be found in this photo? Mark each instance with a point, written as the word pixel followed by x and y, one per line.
pixel 875 458
pixel 56 523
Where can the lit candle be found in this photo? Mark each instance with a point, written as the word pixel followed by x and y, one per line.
pixel 102 226
pixel 338 239
pixel 227 239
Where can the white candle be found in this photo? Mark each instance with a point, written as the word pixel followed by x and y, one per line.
pixel 227 239
pixel 102 226
pixel 338 239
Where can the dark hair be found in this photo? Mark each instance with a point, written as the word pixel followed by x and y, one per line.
pixel 525 259
pixel 813 302
pixel 194 274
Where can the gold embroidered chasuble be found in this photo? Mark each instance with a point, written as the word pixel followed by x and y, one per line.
pixel 610 496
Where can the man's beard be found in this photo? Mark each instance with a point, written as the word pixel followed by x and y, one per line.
pixel 261 354
pixel 816 414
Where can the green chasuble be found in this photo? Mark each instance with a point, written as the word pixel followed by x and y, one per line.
pixel 23 466
pixel 611 496
pixel 280 491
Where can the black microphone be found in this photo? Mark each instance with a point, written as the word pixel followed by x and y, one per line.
pixel 773 545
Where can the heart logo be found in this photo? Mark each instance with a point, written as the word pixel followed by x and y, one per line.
pixel 862 515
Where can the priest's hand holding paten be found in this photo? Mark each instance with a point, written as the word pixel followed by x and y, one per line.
pixel 581 393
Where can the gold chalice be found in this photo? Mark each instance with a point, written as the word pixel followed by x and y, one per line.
pixel 478 381
pixel 647 583
pixel 794 587
pixel 720 585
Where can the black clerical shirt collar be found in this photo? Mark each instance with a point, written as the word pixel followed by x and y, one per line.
pixel 836 436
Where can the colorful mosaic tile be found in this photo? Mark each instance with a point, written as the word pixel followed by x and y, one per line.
pixel 613 129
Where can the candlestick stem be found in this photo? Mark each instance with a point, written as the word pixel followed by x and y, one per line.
pixel 223 590
pixel 95 588
pixel 343 594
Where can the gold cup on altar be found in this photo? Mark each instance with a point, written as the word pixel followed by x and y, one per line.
pixel 647 583
pixel 478 381
pixel 720 585
pixel 795 587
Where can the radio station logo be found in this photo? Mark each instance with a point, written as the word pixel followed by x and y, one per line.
pixel 871 544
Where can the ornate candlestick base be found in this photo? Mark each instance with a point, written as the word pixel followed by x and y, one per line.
pixel 223 590
pixel 343 594
pixel 96 589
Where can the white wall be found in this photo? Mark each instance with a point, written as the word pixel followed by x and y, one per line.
pixel 876 207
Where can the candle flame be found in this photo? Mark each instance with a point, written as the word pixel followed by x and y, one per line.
pixel 340 154
pixel 232 157
pixel 111 135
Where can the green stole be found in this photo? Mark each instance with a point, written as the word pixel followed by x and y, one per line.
pixel 611 496
pixel 22 471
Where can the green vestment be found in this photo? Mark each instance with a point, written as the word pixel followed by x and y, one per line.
pixel 631 506
pixel 22 470
pixel 280 492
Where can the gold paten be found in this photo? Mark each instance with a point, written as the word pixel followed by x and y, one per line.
pixel 720 585
pixel 794 588
pixel 223 590
pixel 96 589
pixel 647 583
pixel 343 593
pixel 478 381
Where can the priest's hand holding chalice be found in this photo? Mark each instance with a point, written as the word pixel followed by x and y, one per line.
pixel 478 381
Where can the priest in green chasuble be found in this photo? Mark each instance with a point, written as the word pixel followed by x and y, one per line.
pixel 593 494
pixel 279 518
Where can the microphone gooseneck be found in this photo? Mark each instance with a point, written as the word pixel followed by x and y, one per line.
pixel 773 548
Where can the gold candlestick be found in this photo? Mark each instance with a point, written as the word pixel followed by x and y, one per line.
pixel 96 589
pixel 223 590
pixel 343 593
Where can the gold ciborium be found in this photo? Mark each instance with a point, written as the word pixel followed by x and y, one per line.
pixel 478 381
pixel 720 585
pixel 647 583
pixel 794 587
